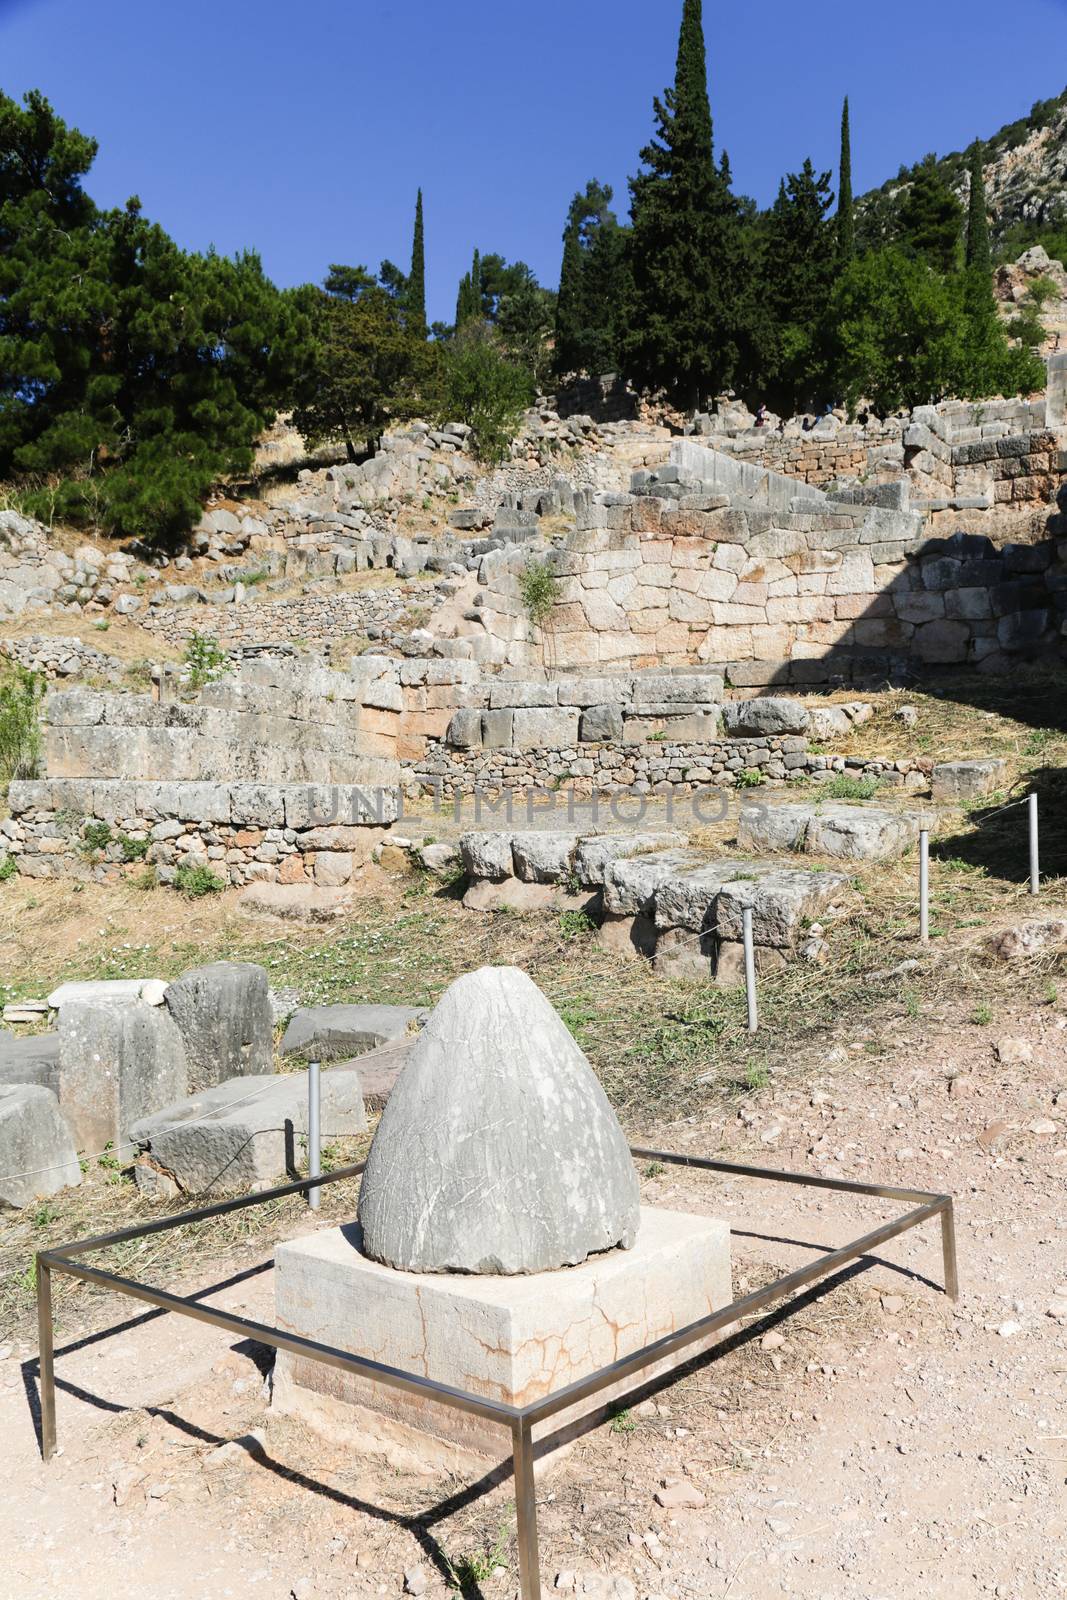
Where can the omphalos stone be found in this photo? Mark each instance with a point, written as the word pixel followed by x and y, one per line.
pixel 497 1151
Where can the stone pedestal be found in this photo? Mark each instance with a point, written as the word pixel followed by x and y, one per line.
pixel 514 1339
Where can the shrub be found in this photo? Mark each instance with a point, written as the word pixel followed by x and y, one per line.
pixel 205 661
pixel 483 388
pixel 95 836
pixel 8 869
pixel 198 881
pixel 845 787
pixel 132 849
pixel 539 589
pixel 21 693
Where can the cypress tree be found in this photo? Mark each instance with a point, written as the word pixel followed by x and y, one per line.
pixel 469 301
pixel 846 218
pixel 686 247
pixel 569 300
pixel 416 289
pixel 979 254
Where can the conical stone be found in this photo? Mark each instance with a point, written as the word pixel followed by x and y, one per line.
pixel 497 1151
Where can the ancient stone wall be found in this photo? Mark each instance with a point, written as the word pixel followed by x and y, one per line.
pixel 714 560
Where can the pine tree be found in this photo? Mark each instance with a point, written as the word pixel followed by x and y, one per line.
pixel 846 218
pixel 979 255
pixel 686 254
pixel 931 218
pixel 416 285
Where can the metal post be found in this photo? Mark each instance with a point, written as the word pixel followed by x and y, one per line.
pixel 750 971
pixel 526 1511
pixel 948 1246
pixel 924 887
pixel 314 1132
pixel 46 1373
pixel 1035 865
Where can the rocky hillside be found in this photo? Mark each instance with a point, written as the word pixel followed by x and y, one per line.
pixel 1026 178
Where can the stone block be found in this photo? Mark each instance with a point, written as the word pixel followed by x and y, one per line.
pixel 630 885
pixel 333 868
pixel 595 856
pixel 772 828
pixel 858 833
pixel 37 1155
pixel 465 730
pixel 119 1060
pixel 956 782
pixel 34 1059
pixel 543 857
pixel 513 1339
pixel 506 695
pixel 486 855
pixel 497 729
pixel 243 1133
pixel 224 1017
pixel 335 1033
pixel 782 903
pixel 553 728
pixel 601 725
pixel 768 715
pixel 584 692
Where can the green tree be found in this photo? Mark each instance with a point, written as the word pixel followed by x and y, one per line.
pixel 846 217
pixel 978 253
pixel 592 285
pixel 686 315
pixel 132 375
pixel 525 321
pixel 368 367
pixel 800 268
pixel 416 285
pixel 481 386
pixel 469 299
pixel 900 331
pixel 930 218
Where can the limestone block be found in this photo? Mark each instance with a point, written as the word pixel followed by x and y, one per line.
pixel 600 725
pixel 244 1132
pixel 956 782
pixel 97 989
pixel 37 1155
pixel 333 868
pixel 465 730
pixel 584 692
pixel 224 1017
pixel 768 715
pixel 34 1059
pixel 506 695
pixel 630 885
pixel 118 1060
pixel 771 828
pixel 782 902
pixel 543 857
pixel 511 894
pixel 509 1339
pixel 502 1103
pixel 691 688
pixel 486 855
pixel 554 728
pixel 334 1033
pixel 860 833
pixel 688 899
pixel 596 855
pixel 829 722
pixel 942 641
pixel 497 729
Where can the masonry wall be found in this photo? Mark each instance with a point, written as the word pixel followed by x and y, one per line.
pixel 716 561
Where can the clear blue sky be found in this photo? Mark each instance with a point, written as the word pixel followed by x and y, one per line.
pixel 304 130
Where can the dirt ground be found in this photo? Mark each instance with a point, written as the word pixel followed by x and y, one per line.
pixel 871 1441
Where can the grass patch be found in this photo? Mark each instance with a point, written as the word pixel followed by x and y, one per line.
pixel 198 881
pixel 845 787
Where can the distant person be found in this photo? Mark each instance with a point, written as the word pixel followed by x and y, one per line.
pixel 761 417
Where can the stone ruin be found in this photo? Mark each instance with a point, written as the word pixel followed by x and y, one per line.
pixel 501 1248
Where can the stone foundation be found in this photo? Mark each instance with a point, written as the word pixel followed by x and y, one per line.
pixel 513 1339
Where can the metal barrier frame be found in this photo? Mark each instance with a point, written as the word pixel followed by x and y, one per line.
pixel 520 1421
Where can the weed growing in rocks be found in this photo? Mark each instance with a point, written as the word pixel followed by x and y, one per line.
pixel 198 881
